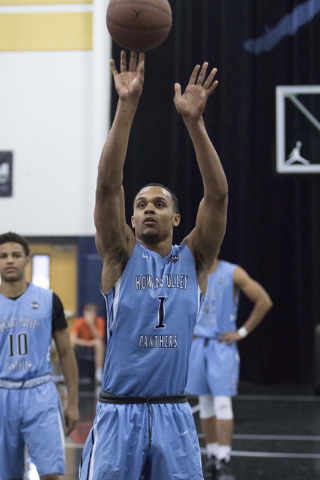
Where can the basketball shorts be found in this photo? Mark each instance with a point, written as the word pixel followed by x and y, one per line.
pixel 213 368
pixel 118 446
pixel 31 417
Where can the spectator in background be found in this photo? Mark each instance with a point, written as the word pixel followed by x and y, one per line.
pixel 89 331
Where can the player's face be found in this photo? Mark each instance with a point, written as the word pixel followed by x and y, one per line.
pixel 13 262
pixel 153 215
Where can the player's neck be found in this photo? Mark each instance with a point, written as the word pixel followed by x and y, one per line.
pixel 162 248
pixel 214 266
pixel 13 289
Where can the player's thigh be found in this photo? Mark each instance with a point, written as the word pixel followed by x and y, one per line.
pixel 175 452
pixel 223 369
pixel 11 441
pixel 43 429
pixel 117 444
pixel 197 383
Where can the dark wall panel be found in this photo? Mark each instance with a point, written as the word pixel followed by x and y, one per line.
pixel 273 220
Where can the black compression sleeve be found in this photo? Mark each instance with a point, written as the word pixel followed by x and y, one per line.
pixel 58 318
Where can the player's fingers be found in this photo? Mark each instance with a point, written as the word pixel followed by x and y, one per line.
pixel 113 67
pixel 210 78
pixel 142 58
pixel 212 88
pixel 141 64
pixel 194 75
pixel 177 89
pixel 202 73
pixel 133 61
pixel 123 61
pixel 223 337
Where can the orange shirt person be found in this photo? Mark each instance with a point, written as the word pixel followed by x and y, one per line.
pixel 89 331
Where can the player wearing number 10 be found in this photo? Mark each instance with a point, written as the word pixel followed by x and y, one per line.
pixel 30 409
pixel 143 422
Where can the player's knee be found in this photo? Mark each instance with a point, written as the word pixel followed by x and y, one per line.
pixel 223 408
pixel 206 406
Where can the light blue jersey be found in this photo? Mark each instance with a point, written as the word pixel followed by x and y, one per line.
pixel 30 407
pixel 25 334
pixel 214 366
pixel 151 314
pixel 219 311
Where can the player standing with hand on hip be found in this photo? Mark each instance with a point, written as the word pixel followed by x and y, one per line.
pixel 152 296
pixel 214 358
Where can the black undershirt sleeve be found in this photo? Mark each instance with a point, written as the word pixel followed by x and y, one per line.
pixel 59 321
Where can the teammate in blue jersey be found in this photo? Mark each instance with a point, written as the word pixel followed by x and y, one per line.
pixel 30 409
pixel 214 358
pixel 143 423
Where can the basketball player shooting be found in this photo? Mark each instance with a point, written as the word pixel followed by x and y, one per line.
pixel 144 424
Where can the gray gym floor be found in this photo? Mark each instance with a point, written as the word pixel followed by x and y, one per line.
pixel 276 435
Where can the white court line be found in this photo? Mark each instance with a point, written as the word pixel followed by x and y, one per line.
pixel 270 398
pixel 196 408
pixel 74 445
pixel 294 438
pixel 274 454
pixel 291 438
pixel 88 395
pixel 283 398
pixel 236 453
pixel 46 8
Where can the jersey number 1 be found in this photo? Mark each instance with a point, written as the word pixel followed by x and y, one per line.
pixel 161 313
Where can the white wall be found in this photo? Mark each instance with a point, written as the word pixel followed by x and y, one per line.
pixel 54 117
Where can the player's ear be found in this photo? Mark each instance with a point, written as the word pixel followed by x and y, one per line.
pixel 132 221
pixel 27 260
pixel 176 219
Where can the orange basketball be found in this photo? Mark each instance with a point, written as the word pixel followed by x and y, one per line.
pixel 139 25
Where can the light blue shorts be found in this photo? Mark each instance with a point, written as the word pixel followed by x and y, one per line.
pixel 31 417
pixel 118 447
pixel 213 368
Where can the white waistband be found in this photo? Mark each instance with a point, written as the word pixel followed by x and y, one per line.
pixel 32 382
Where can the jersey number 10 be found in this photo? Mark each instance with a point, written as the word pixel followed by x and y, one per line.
pixel 21 345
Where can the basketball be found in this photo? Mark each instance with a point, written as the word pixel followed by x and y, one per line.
pixel 139 25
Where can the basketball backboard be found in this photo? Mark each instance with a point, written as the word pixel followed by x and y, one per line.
pixel 298 129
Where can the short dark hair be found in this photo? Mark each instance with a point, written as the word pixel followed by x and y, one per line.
pixel 173 197
pixel 15 238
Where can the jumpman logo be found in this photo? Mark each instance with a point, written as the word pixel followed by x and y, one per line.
pixel 288 25
pixel 295 156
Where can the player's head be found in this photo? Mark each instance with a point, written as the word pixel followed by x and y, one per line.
pixel 90 311
pixel 14 257
pixel 15 238
pixel 173 197
pixel 155 213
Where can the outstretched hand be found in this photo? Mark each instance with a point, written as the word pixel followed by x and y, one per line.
pixel 193 101
pixel 129 82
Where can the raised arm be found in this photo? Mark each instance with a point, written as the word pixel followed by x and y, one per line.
pixel 260 298
pixel 114 239
pixel 206 238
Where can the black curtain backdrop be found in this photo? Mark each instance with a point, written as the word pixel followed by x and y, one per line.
pixel 273 226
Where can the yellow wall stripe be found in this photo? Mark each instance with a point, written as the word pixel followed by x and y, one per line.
pixel 46 31
pixel 43 2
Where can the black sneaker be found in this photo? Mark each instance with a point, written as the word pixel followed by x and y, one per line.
pixel 210 469
pixel 224 471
